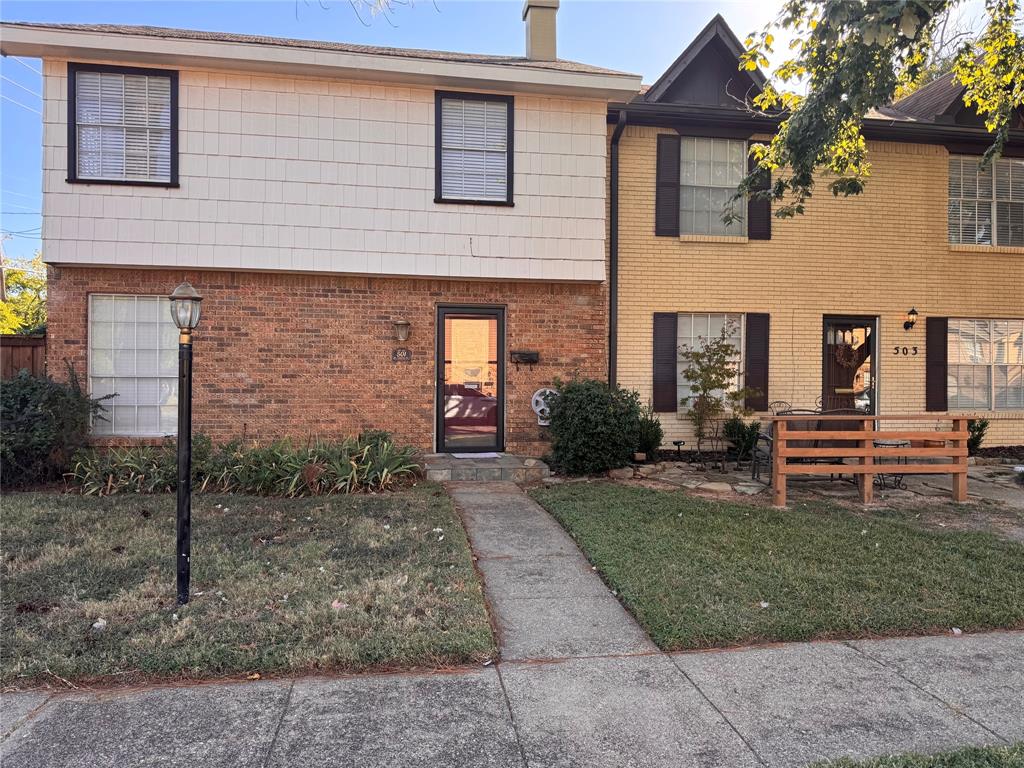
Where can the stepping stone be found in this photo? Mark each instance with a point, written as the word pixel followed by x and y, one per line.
pixel 715 487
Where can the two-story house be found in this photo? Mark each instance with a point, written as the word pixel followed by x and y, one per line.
pixel 373 231
pixel 820 306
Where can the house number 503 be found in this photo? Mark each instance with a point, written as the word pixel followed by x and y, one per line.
pixel 905 351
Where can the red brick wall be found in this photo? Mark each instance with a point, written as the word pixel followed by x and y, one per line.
pixel 281 355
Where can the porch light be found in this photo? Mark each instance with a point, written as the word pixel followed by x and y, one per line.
pixel 401 329
pixel 911 320
pixel 185 308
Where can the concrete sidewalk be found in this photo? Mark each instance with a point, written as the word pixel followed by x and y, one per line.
pixel 579 685
pixel 781 706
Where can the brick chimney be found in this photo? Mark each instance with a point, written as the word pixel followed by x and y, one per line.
pixel 539 16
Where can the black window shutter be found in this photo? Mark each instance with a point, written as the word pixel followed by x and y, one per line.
pixel 756 361
pixel 936 355
pixel 759 210
pixel 666 202
pixel 665 395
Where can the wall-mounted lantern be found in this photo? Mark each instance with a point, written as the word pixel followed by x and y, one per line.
pixel 911 320
pixel 401 329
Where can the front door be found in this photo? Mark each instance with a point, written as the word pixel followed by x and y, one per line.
pixel 470 379
pixel 849 370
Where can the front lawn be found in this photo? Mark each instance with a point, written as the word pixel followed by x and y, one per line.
pixel 971 757
pixel 702 574
pixel 279 585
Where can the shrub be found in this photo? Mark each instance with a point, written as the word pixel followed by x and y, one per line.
pixel 711 370
pixel 42 423
pixel 976 429
pixel 594 427
pixel 651 433
pixel 742 435
pixel 366 463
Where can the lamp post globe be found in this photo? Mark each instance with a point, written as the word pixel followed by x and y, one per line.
pixel 185 311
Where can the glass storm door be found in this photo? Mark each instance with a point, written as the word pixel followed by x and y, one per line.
pixel 471 379
pixel 849 373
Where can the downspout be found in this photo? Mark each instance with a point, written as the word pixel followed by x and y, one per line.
pixel 613 250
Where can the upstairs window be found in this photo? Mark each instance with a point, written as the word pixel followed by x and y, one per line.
pixel 709 172
pixel 122 125
pixel 473 148
pixel 986 207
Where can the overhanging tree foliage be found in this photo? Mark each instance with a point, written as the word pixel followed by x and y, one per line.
pixel 857 55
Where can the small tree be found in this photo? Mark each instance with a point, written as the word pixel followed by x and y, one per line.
pixel 711 371
pixel 23 309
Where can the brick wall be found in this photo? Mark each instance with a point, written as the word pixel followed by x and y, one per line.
pixel 878 254
pixel 315 174
pixel 304 355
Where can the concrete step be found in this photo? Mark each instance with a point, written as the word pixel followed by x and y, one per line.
pixel 444 467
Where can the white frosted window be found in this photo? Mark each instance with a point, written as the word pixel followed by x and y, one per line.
pixel 986 365
pixel 474 149
pixel 692 328
pixel 123 126
pixel 133 354
pixel 709 171
pixel 986 207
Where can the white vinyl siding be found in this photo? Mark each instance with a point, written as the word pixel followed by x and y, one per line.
pixel 986 365
pixel 709 171
pixel 123 126
pixel 474 149
pixel 691 328
pixel 133 354
pixel 986 207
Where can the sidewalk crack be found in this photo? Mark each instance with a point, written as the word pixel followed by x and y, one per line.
pixel 280 722
pixel 690 680
pixel 512 717
pixel 924 690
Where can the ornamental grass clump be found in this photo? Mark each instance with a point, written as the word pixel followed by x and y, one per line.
pixel 370 462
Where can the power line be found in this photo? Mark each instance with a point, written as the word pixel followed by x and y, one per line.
pixel 17 194
pixel 16 84
pixel 21 213
pixel 5 97
pixel 26 65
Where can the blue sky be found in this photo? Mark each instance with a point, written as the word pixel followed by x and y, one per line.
pixel 640 37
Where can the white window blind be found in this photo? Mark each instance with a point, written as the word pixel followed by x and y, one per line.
pixel 692 328
pixel 709 171
pixel 133 354
pixel 986 207
pixel 474 149
pixel 986 364
pixel 123 126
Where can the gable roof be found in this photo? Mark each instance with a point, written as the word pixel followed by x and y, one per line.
pixel 170 33
pixel 715 30
pixel 932 99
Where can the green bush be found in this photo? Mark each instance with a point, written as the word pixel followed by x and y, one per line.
pixel 651 433
pixel 594 427
pixel 742 435
pixel 370 462
pixel 42 423
pixel 976 430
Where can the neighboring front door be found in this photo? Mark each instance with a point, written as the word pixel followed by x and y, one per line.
pixel 849 364
pixel 470 379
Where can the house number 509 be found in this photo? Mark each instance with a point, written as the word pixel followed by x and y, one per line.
pixel 905 351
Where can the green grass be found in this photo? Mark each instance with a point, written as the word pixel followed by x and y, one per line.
pixel 971 757
pixel 340 583
pixel 695 572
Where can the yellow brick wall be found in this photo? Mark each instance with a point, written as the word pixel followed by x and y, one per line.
pixel 877 255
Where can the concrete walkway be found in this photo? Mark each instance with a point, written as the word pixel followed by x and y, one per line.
pixel 578 685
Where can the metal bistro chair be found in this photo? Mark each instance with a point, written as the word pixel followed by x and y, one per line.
pixel 818 421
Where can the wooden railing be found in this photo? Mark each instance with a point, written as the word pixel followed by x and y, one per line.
pixel 822 450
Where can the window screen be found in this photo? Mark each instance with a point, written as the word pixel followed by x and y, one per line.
pixel 474 149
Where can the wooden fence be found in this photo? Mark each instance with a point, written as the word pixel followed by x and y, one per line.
pixel 17 352
pixel 821 444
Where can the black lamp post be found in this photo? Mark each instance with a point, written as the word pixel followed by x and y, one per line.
pixel 185 308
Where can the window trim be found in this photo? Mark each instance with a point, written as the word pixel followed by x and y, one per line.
pixel 89 375
pixel 509 102
pixel 993 203
pixel 745 220
pixel 73 178
pixel 992 408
